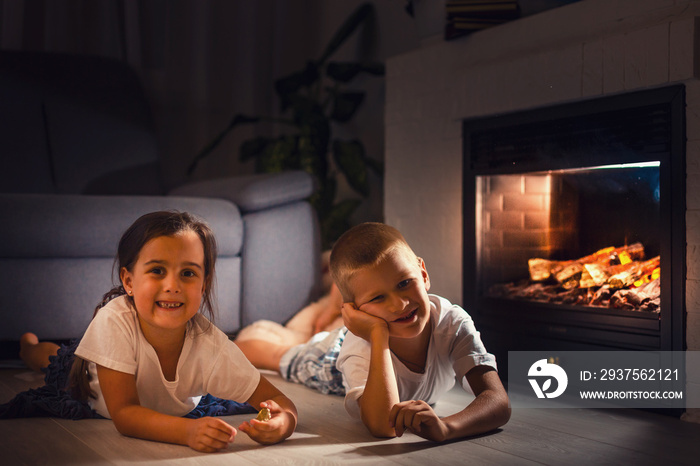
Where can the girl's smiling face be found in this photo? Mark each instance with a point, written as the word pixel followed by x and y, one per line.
pixel 167 282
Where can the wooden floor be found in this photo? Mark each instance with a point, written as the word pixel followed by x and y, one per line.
pixel 326 435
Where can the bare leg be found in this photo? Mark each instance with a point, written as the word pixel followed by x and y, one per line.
pixel 304 321
pixel 34 353
pixel 331 317
pixel 263 354
pixel 273 333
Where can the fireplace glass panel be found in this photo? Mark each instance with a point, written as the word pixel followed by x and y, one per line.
pixel 584 237
pixel 576 192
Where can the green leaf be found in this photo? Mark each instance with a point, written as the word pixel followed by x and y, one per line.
pixel 322 199
pixel 305 111
pixel 309 118
pixel 342 72
pixel 276 156
pixel 337 221
pixel 345 72
pixel 375 165
pixel 289 85
pixel 253 147
pixel 346 29
pixel 345 104
pixel 350 158
pixel 237 120
pixel 312 159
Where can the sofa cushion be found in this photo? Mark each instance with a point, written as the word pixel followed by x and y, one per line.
pixel 90 226
pixel 253 192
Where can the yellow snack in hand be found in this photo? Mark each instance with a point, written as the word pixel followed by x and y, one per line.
pixel 264 415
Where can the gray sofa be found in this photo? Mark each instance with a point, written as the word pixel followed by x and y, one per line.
pixel 80 164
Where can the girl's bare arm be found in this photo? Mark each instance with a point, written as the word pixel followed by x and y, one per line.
pixel 131 419
pixel 284 414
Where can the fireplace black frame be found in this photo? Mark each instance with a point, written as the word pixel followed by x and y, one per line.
pixel 530 141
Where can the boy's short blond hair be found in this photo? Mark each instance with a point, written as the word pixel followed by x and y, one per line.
pixel 364 245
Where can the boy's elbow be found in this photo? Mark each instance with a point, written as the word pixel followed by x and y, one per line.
pixel 379 428
pixel 502 411
pixel 381 431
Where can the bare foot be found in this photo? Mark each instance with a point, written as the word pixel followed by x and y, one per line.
pixel 34 353
pixel 26 341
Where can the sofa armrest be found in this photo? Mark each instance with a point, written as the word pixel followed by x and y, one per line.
pixel 253 193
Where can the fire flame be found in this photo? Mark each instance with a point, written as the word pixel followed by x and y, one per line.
pixel 656 273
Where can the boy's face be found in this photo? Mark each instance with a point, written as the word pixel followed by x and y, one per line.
pixel 395 290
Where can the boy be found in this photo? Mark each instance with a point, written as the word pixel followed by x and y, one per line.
pixel 403 349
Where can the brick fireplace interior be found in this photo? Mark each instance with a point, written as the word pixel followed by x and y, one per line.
pixel 575 53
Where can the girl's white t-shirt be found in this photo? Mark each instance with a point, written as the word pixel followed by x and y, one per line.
pixel 209 362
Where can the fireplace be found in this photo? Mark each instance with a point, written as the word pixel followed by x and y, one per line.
pixel 576 53
pixel 574 224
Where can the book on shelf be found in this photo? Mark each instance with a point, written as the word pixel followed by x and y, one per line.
pixel 465 16
pixel 475 24
pixel 471 2
pixel 504 16
pixel 477 8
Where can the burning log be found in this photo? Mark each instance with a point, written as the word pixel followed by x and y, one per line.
pixel 569 273
pixel 646 297
pixel 595 275
pixel 611 277
pixel 633 273
pixel 540 269
pixel 601 296
pixel 592 270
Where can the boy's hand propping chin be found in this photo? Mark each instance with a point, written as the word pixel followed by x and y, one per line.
pixel 361 323
pixel 418 417
pixel 268 432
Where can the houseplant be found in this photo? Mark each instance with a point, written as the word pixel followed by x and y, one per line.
pixel 313 100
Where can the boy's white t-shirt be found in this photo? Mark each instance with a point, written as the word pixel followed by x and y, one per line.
pixel 455 348
pixel 209 362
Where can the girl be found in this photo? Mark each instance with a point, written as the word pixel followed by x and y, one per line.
pixel 149 354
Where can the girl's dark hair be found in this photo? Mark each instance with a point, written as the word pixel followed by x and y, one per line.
pixel 144 229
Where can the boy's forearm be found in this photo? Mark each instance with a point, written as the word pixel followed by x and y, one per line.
pixel 381 392
pixel 489 410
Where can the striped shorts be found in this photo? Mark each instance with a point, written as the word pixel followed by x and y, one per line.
pixel 313 363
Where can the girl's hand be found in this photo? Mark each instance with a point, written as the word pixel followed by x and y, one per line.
pixel 418 417
pixel 278 428
pixel 209 434
pixel 361 323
